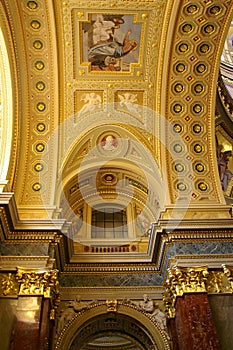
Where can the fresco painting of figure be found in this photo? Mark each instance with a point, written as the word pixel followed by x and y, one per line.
pixel 111 42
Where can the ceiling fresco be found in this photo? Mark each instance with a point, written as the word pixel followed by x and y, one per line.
pixel 107 44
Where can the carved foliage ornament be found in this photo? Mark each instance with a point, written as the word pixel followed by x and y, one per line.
pixel 8 284
pixel 39 282
pixel 182 280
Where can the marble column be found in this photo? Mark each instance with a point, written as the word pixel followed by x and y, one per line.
pixel 38 296
pixel 186 301
pixel 174 336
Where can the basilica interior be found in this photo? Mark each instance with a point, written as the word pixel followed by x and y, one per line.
pixel 116 174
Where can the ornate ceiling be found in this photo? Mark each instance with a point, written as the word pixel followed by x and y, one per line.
pixel 109 115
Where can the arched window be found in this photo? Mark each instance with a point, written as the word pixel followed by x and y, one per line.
pixel 109 222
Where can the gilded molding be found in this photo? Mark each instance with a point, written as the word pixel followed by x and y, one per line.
pixel 165 240
pixel 16 231
pixel 200 279
pixel 71 320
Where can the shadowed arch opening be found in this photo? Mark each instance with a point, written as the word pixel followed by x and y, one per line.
pixel 121 327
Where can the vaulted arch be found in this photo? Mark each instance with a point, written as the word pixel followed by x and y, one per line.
pixel 122 319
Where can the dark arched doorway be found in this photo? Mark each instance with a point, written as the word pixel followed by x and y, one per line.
pixel 121 328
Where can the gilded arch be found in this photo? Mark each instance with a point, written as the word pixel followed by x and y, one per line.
pixel 144 325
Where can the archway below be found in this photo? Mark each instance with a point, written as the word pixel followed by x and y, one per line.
pixel 112 331
pixel 111 325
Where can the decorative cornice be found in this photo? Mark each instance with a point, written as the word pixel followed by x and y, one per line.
pixel 200 279
pixel 9 263
pixel 111 292
pixel 13 229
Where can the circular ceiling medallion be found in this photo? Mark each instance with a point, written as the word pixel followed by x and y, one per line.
pixel 109 143
pixel 109 179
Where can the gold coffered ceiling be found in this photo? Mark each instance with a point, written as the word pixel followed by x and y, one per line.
pixel 159 93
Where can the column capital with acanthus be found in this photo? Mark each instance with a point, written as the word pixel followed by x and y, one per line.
pixel 39 282
pixel 195 279
pixel 182 280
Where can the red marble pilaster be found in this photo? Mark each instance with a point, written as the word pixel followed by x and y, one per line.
pixel 31 327
pixel 194 323
pixel 44 335
pixel 172 326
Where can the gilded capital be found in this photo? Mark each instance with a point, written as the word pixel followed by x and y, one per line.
pixel 38 282
pixel 187 279
pixel 182 280
pixel 228 272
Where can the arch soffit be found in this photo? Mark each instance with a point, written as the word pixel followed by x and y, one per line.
pixel 92 137
pixel 9 102
pixel 135 155
pixel 200 61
